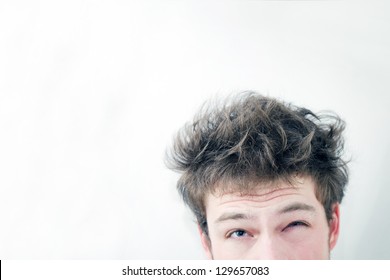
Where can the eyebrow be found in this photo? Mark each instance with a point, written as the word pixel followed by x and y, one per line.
pixel 297 207
pixel 233 216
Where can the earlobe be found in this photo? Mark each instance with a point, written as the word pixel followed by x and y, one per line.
pixel 334 226
pixel 205 243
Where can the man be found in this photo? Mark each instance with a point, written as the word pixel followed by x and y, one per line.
pixel 263 178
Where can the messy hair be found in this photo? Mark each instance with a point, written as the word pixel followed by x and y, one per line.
pixel 249 139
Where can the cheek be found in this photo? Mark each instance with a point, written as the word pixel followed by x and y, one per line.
pixel 312 251
pixel 223 252
pixel 314 246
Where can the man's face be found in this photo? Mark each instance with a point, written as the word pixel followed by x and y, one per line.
pixel 287 222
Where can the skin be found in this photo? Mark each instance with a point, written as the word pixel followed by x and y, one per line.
pixel 286 222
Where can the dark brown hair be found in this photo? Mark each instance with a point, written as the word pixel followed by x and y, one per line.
pixel 249 139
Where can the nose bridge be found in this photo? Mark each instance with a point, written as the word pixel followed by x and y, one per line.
pixel 267 247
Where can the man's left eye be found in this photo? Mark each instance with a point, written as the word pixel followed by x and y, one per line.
pixel 296 224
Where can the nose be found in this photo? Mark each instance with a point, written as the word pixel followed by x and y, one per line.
pixel 268 248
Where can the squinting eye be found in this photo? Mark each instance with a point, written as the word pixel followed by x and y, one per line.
pixel 238 233
pixel 296 224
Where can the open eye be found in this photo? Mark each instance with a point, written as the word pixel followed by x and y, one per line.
pixel 237 234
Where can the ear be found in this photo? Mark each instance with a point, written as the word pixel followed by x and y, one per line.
pixel 206 244
pixel 334 225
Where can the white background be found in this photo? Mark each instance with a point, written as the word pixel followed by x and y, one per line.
pixel 92 92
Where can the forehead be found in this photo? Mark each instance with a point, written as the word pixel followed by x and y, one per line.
pixel 266 195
